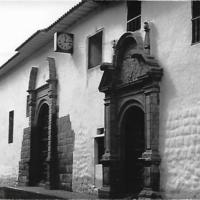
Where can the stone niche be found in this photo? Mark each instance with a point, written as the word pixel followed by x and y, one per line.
pixel 131 87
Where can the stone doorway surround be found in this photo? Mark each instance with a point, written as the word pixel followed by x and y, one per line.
pixel 46 94
pixel 59 160
pixel 132 79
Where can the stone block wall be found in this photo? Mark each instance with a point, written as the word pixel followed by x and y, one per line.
pixel 181 154
pixel 8 181
pixel 65 152
pixel 23 178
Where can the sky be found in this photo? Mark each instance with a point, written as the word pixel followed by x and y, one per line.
pixel 20 19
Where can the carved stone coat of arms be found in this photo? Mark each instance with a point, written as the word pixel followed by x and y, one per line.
pixel 132 66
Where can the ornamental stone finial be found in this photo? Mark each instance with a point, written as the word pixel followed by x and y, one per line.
pixel 147 38
pixel 114 43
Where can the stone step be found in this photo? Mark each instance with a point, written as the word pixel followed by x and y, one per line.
pixel 40 193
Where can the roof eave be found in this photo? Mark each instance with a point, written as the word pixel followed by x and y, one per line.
pixel 42 37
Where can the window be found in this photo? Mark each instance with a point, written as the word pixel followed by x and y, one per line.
pixel 95 50
pixel 133 15
pixel 11 123
pixel 195 21
pixel 99 145
pixel 99 149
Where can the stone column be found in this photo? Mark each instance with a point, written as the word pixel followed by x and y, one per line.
pixel 52 137
pixel 30 159
pixel 151 157
pixel 109 159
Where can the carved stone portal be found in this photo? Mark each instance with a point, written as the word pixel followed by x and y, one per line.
pixel 33 171
pixel 131 87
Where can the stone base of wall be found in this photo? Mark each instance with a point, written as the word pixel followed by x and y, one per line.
pixel 23 177
pixel 65 153
pixel 84 185
pixel 65 146
pixel 8 181
pixel 180 172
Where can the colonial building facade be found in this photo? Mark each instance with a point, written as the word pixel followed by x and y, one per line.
pixel 106 101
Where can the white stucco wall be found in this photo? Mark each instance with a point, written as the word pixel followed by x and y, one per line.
pixel 78 94
pixel 85 119
pixel 13 94
pixel 171 36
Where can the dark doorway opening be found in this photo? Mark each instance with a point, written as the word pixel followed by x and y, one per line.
pixel 133 147
pixel 40 148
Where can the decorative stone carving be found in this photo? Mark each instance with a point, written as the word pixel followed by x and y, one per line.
pixel 52 68
pixel 132 67
pixel 32 78
pixel 147 38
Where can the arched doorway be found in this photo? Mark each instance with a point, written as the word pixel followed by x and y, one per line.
pixel 133 145
pixel 40 147
pixel 132 75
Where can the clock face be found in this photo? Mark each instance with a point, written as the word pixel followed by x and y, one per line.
pixel 64 41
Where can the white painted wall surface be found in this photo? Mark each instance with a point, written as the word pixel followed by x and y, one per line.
pixel 171 36
pixel 84 117
pixel 78 94
pixel 14 86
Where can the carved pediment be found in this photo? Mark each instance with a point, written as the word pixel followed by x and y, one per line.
pixel 131 60
pixel 131 65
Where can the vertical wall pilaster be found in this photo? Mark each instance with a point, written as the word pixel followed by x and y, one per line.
pixel 110 160
pixel 52 179
pixel 151 157
pixel 32 107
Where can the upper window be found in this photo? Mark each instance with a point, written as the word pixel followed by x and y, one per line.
pixel 95 50
pixel 133 15
pixel 99 149
pixel 195 21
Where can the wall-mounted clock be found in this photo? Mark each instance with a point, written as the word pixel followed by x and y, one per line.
pixel 63 42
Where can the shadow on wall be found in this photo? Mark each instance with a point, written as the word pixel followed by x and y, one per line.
pixel 167 94
pixel 154 39
pixel 65 152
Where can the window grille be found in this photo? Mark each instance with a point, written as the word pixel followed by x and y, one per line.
pixel 134 24
pixel 133 15
pixel 195 21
